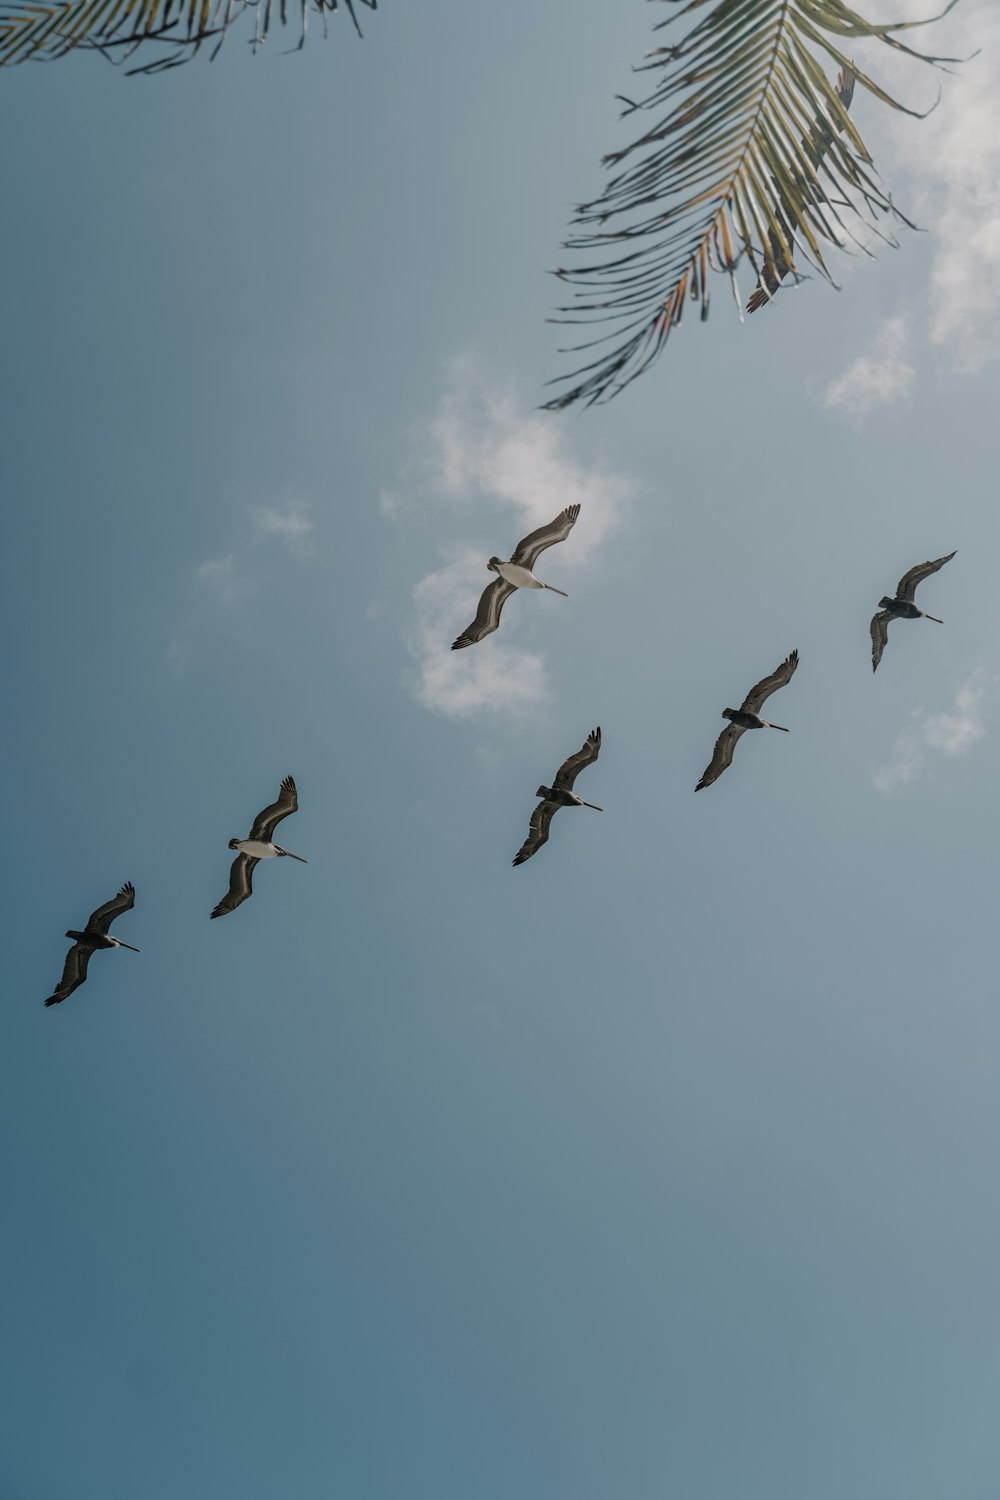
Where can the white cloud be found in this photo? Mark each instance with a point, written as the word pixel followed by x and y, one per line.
pixel 950 733
pixel 291 525
pixel 491 675
pixel 485 450
pixel 959 180
pixel 952 160
pixel 882 375
pixel 485 444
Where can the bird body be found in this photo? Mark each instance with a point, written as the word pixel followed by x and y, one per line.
pixel 97 940
pixel 560 794
pixel 747 720
pixel 747 717
pixel 263 849
pixel 562 797
pixel 257 846
pixel 521 578
pixel 902 609
pixel 516 573
pixel 902 606
pixel 94 937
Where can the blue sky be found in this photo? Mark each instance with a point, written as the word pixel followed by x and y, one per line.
pixel 665 1163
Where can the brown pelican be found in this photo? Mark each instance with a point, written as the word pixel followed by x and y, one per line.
pixel 559 794
pixel 257 847
pixel 93 936
pixel 903 607
pixel 747 717
pixel 516 574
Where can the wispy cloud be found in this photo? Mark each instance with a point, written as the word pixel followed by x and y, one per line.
pixel 958 175
pixel 220 583
pixel 952 161
pixel 293 526
pixel 951 733
pixel 483 450
pixel 221 575
pixel 880 376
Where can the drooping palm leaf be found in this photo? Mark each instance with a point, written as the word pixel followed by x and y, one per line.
pixel 164 32
pixel 752 153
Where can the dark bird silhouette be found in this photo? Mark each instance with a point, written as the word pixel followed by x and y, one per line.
pixel 902 607
pixel 93 936
pixel 257 847
pixel 516 574
pixel 747 717
pixel 559 794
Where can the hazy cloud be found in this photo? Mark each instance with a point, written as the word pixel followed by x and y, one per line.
pixel 220 583
pixel 951 733
pixel 482 450
pixel 957 168
pixel 222 576
pixel 952 161
pixel 291 526
pixel 882 375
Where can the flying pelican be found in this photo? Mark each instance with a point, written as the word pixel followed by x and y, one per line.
pixel 747 717
pixel 93 936
pixel 903 607
pixel 516 574
pixel 257 847
pixel 559 794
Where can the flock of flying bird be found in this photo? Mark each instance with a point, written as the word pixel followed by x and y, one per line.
pixel 516 573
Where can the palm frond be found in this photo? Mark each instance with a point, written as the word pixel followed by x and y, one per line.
pixel 165 32
pixel 752 154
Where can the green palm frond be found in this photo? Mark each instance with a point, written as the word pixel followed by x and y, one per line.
pixel 165 32
pixel 752 153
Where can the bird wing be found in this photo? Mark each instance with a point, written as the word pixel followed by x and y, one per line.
pixel 494 597
pixel 722 755
pixel 880 635
pixel 758 695
pixel 100 920
pixel 267 821
pixel 74 972
pixel 570 769
pixel 240 884
pixel 538 833
pixel 907 586
pixel 530 548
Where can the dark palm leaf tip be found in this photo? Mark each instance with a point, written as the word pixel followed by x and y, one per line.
pixel 44 29
pixel 751 152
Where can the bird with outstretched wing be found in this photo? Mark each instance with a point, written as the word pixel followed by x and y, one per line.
pixel 747 717
pixel 514 574
pixel 94 936
pixel 258 846
pixel 902 606
pixel 559 794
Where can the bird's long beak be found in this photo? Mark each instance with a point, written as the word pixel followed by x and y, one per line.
pixel 128 946
pixel 295 856
pixel 555 591
pixel 934 618
pixel 779 726
pixel 591 804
